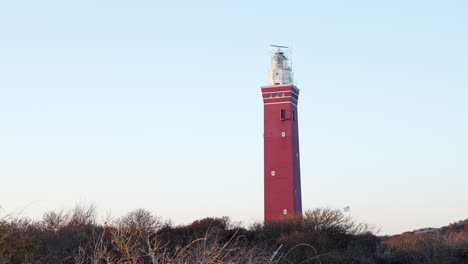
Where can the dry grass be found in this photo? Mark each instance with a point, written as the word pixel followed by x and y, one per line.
pixel 128 247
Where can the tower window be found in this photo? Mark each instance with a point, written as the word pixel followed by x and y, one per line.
pixel 273 173
pixel 283 114
pixel 283 134
pixel 285 211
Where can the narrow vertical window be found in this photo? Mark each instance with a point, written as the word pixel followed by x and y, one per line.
pixel 283 114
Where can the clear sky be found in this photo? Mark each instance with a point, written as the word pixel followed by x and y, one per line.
pixel 157 105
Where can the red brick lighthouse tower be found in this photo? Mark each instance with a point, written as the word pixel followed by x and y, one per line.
pixel 282 176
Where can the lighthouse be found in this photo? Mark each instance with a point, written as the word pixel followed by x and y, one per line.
pixel 282 175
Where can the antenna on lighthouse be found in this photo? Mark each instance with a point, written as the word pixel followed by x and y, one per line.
pixel 277 46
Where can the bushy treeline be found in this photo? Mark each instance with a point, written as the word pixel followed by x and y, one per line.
pixel 449 243
pixel 319 236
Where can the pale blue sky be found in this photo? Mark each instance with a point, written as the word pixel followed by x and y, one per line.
pixel 129 104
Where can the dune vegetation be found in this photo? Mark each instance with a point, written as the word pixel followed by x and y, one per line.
pixel 319 236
